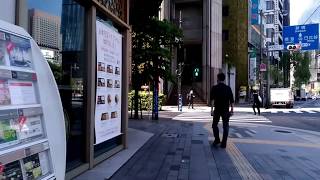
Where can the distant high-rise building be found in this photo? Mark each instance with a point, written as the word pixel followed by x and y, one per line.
pixel 45 30
pixel 286 19
pixel 274 13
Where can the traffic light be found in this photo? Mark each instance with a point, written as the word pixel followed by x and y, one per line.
pixel 294 47
pixel 196 72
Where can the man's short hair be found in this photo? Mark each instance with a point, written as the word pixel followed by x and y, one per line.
pixel 221 77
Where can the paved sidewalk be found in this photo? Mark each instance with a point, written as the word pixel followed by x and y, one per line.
pixel 181 150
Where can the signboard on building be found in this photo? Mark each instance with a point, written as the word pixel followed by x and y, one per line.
pixel 252 69
pixel 255 12
pixel 277 47
pixel 305 35
pixel 108 90
pixel 263 67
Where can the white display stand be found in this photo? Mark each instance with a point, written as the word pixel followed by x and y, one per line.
pixel 32 127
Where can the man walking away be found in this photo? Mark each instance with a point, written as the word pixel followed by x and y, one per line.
pixel 256 102
pixel 222 96
pixel 190 99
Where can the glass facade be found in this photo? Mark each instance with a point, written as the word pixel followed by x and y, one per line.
pixel 69 66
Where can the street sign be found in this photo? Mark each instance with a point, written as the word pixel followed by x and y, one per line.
pixel 278 47
pixel 263 67
pixel 305 35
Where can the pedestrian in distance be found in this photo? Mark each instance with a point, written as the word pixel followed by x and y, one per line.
pixel 256 102
pixel 190 97
pixel 223 100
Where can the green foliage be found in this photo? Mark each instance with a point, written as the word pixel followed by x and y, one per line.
pixel 146 100
pixel 276 74
pixel 285 65
pixel 151 49
pixel 302 73
pixel 56 70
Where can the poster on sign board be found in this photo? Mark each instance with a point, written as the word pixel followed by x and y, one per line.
pixel 108 88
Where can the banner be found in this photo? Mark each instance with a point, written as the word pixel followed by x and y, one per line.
pixel 252 70
pixel 108 90
pixel 255 12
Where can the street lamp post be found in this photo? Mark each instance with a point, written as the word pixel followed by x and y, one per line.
pixel 267 102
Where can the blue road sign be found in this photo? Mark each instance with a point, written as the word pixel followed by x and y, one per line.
pixel 305 35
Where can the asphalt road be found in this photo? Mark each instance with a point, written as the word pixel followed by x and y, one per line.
pixel 304 120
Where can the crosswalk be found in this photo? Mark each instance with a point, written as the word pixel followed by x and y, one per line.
pixel 236 118
pixel 295 111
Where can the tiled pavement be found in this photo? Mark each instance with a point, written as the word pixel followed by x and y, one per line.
pixel 181 150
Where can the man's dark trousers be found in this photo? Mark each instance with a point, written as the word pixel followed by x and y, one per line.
pixel 225 122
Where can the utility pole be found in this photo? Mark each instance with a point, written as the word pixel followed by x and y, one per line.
pixel 179 71
pixel 261 89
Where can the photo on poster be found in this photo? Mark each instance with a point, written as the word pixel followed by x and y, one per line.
pixel 117 84
pixel 109 83
pixel 11 171
pixel 22 92
pixel 29 127
pixel 109 69
pixel 32 167
pixel 19 50
pixel 8 133
pixel 114 114
pixel 3 48
pixel 105 116
pixel 101 66
pixel 5 98
pixel 117 71
pixel 109 99
pixel 101 82
pixel 101 100
pixel 116 99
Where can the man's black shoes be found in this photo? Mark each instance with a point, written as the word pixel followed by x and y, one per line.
pixel 215 143
pixel 223 145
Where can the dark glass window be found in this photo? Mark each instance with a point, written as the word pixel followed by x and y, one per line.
pixel 58 26
pixel 225 11
pixel 225 35
pixel 269 5
pixel 270 19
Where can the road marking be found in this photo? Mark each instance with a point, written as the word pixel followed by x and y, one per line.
pixel 309 111
pixel 298 111
pixel 280 143
pixel 244 168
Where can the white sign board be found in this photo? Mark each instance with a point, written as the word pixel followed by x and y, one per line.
pixel 108 93
pixel 252 65
pixel 278 47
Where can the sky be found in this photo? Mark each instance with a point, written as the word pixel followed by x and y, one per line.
pixel 300 10
pixel 52 7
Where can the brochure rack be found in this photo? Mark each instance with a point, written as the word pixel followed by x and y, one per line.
pixel 32 132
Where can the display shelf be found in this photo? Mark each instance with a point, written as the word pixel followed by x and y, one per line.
pixel 49 177
pixel 9 107
pixel 13 68
pixel 24 146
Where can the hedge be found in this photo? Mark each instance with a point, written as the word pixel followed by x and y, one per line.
pixel 146 100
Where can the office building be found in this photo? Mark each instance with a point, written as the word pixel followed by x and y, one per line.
pixel 45 30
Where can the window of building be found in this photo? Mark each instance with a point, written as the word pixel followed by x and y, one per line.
pixel 225 11
pixel 270 19
pixel 269 5
pixel 269 32
pixel 225 35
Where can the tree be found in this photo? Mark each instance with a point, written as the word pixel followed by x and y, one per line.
pixel 152 41
pixel 285 65
pixel 56 70
pixel 301 73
